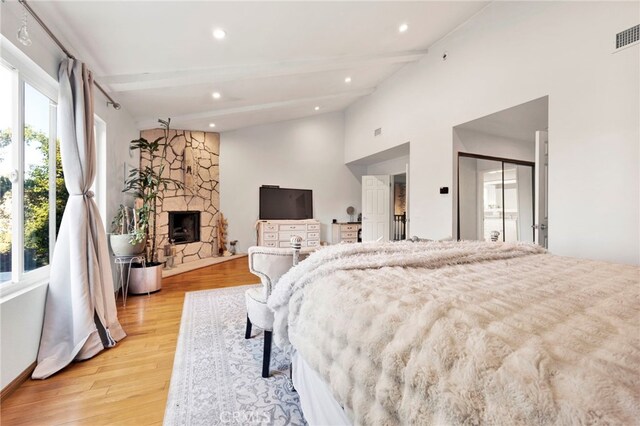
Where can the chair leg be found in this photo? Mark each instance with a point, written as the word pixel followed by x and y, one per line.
pixel 247 333
pixel 266 357
pixel 293 388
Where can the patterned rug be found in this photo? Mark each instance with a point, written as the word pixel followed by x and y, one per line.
pixel 216 371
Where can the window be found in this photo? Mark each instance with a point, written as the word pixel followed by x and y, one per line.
pixel 32 191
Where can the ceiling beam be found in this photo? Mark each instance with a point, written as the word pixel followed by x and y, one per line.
pixel 213 114
pixel 160 80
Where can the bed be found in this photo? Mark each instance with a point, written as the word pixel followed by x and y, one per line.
pixel 462 333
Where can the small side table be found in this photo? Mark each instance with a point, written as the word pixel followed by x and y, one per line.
pixel 120 262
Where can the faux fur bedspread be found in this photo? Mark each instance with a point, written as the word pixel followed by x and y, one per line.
pixel 466 333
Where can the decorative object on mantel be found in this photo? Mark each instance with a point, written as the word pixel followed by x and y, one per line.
pixel 126 238
pixel 145 183
pixel 189 166
pixel 232 247
pixel 169 255
pixel 222 235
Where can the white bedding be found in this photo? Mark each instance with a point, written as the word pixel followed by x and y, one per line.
pixel 450 333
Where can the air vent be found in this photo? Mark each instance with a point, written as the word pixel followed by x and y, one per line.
pixel 377 132
pixel 627 37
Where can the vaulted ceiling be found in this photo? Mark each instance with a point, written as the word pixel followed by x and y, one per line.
pixel 278 61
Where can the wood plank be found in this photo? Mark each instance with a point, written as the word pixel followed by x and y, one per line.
pixel 17 382
pixel 127 384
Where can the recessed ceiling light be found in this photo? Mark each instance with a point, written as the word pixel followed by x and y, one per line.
pixel 212 124
pixel 403 28
pixel 317 108
pixel 347 80
pixel 219 33
pixel 216 95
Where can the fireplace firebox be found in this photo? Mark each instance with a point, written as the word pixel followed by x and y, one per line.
pixel 184 227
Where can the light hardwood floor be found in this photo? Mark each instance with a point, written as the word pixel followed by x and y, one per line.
pixel 128 384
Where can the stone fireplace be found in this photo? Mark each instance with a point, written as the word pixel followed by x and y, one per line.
pixel 184 227
pixel 193 159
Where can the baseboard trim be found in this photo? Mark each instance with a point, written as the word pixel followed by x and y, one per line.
pixel 15 384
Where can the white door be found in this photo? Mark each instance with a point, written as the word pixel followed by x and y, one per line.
pixel 376 207
pixel 541 209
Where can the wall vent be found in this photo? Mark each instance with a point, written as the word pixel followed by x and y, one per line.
pixel 377 132
pixel 626 37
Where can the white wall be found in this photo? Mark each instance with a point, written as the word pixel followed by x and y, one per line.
pixel 525 203
pixel 508 54
pixel 21 313
pixel 305 153
pixel 474 142
pixel 394 166
pixel 121 129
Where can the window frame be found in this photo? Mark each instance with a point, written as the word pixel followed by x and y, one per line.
pixel 25 71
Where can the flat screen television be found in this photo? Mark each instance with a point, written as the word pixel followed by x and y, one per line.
pixel 285 203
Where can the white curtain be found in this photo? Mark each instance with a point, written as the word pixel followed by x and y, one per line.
pixel 80 317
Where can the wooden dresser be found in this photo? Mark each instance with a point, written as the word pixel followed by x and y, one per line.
pixel 278 233
pixel 344 232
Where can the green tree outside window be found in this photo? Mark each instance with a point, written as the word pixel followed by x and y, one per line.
pixel 36 202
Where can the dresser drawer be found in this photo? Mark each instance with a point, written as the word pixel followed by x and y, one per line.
pixel 284 244
pixel 313 227
pixel 300 227
pixel 348 235
pixel 270 236
pixel 286 235
pixel 348 227
pixel 270 244
pixel 313 243
pixel 270 227
pixel 349 240
pixel 313 235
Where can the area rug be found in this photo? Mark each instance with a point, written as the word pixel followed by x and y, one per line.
pixel 216 377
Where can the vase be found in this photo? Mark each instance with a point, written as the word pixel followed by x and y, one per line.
pixel 121 246
pixel 145 279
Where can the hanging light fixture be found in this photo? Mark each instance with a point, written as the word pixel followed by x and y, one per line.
pixel 23 34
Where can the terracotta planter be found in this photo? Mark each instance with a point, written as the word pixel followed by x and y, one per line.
pixel 145 280
pixel 121 246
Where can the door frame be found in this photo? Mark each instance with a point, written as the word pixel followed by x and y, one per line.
pixel 502 160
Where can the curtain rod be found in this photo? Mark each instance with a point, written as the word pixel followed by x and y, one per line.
pixel 24 3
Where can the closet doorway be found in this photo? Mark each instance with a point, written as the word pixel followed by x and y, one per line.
pixel 495 199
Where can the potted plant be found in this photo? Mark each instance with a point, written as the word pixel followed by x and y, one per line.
pixel 145 183
pixel 126 238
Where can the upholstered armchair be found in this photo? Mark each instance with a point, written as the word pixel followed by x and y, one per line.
pixel 269 264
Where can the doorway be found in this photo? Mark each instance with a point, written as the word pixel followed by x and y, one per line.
pixel 495 199
pixel 399 226
pixel 500 164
